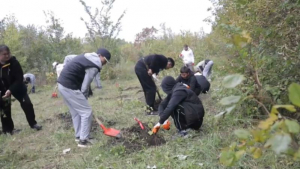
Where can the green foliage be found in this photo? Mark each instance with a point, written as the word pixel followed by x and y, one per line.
pixel 275 133
pixel 232 81
pixel 230 100
pixel 294 94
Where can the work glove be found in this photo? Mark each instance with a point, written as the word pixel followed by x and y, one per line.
pixel 156 128
pixel 167 125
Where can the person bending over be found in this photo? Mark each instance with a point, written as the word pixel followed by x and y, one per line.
pixel 30 78
pixel 144 69
pixel 182 104
pixel 73 85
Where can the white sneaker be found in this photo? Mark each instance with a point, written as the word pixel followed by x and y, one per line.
pixel 77 139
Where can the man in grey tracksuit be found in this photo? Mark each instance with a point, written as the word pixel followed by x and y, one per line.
pixel 30 78
pixel 68 59
pixel 73 84
pixel 97 78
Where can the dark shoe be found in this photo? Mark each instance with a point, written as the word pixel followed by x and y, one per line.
pixel 8 132
pixel 182 133
pixel 37 127
pixel 152 113
pixel 84 144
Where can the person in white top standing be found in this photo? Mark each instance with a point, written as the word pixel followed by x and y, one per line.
pixel 187 56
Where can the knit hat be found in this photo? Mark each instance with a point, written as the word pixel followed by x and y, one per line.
pixel 105 53
pixel 167 84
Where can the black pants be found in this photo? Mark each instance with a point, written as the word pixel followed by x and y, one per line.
pixel 6 120
pixel 147 83
pixel 197 91
pixel 180 122
pixel 27 107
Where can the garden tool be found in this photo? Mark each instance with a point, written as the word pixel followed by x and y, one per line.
pixel 153 81
pixel 54 94
pixel 140 123
pixel 109 131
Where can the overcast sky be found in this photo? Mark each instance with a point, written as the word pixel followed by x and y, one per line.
pixel 177 14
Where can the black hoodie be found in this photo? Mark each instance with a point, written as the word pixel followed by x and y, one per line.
pixel 11 76
pixel 190 81
pixel 179 94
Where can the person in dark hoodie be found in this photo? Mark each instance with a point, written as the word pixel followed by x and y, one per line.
pixel 147 67
pixel 12 84
pixel 187 77
pixel 182 104
pixel 73 85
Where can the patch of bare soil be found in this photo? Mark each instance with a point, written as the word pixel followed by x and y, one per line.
pixel 135 139
pixel 67 123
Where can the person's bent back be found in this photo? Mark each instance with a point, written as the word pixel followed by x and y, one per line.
pixel 182 105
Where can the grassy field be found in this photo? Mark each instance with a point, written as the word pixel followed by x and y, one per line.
pixel 117 106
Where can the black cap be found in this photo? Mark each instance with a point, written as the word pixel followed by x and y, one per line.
pixel 104 52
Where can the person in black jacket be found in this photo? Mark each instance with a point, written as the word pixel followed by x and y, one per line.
pixel 144 69
pixel 182 104
pixel 187 77
pixel 12 84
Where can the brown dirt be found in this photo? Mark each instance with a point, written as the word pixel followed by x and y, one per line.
pixel 67 123
pixel 131 88
pixel 135 139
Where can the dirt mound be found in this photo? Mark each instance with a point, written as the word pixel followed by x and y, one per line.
pixel 134 138
pixel 67 123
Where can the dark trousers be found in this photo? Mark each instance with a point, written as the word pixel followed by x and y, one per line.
pixel 197 91
pixel 6 120
pixel 179 120
pixel 147 83
pixel 27 107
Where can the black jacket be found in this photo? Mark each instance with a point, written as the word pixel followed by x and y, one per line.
pixel 11 75
pixel 193 107
pixel 191 81
pixel 155 62
pixel 203 82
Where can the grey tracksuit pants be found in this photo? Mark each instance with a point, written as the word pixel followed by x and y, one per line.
pixel 98 81
pixel 207 69
pixel 80 110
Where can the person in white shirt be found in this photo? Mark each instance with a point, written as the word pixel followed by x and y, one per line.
pixel 30 78
pixel 205 67
pixel 187 56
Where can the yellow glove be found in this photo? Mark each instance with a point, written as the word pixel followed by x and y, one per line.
pixel 156 128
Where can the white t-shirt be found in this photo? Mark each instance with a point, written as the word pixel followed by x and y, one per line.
pixel 187 56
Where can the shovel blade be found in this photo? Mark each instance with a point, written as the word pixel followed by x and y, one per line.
pixel 112 132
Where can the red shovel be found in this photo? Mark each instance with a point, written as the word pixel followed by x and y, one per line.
pixel 140 123
pixel 109 131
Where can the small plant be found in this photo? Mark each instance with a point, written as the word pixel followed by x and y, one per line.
pixel 276 133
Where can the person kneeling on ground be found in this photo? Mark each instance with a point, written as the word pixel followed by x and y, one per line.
pixel 187 77
pixel 12 84
pixel 73 85
pixel 144 69
pixel 30 78
pixel 203 82
pixel 182 104
pixel 205 67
